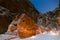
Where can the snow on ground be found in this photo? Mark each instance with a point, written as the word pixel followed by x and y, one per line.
pixel 4 36
pixel 46 36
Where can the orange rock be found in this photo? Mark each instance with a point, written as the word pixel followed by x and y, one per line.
pixel 26 27
pixel 58 21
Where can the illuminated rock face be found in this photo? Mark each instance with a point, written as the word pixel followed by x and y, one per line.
pixel 26 27
pixel 58 17
pixel 58 21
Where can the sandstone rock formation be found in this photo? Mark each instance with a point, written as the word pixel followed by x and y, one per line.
pixel 27 28
pixel 18 7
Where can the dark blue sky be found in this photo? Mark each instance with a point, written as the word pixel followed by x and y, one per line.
pixel 45 5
